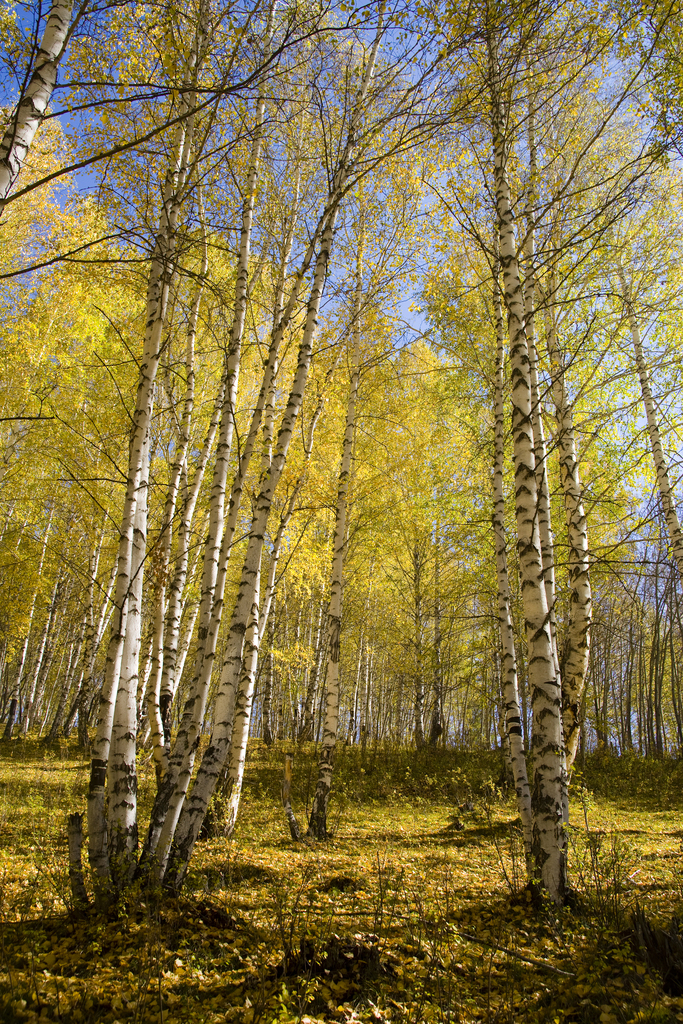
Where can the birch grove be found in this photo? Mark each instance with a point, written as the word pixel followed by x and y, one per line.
pixel 294 454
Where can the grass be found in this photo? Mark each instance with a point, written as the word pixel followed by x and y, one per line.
pixel 402 916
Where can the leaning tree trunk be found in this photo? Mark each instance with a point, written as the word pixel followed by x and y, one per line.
pixel 673 523
pixel 92 643
pixel 510 689
pixel 180 761
pixel 548 835
pixel 31 108
pixel 232 789
pixel 38 669
pixel 171 796
pixel 194 807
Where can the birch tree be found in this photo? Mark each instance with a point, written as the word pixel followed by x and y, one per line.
pixel 510 688
pixel 30 110
pixel 317 823
pixel 549 781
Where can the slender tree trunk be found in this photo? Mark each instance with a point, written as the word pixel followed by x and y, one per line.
pixel 306 732
pixel 92 642
pixel 161 273
pixel 74 659
pixel 180 763
pixel 16 689
pixel 545 528
pixel 317 823
pixel 155 714
pixel 419 684
pixel 35 687
pixel 575 663
pixel 122 780
pixel 508 668
pixel 666 495
pixel 195 805
pixel 549 784
pixel 31 109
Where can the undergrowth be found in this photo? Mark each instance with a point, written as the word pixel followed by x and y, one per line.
pixel 415 911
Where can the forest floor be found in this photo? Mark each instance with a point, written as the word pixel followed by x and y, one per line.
pixel 414 911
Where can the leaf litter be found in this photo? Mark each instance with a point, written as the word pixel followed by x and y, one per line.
pixel 399 917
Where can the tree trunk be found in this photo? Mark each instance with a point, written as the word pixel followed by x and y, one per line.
pixel 673 524
pixel 32 106
pixel 549 785
pixel 194 808
pixel 317 823
pixel 508 669
pixel 575 662
pixel 16 689
pixel 161 272
pixel 162 552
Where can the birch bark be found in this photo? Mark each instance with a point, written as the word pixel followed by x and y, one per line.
pixel 180 762
pixel 93 640
pixel 31 108
pixel 35 683
pixel 163 552
pixel 512 715
pixel 548 835
pixel 256 631
pixel 575 663
pixel 673 523
pixel 317 823
pixel 161 271
pixel 545 528
pixel 16 689
pixel 194 808
pixel 122 767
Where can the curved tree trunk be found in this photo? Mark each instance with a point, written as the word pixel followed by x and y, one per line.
pixel 194 807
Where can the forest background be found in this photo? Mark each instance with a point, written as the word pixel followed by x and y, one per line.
pixel 340 412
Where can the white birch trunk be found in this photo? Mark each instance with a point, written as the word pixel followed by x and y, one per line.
pixel 317 824
pixel 673 524
pixel 122 768
pixel 575 666
pixel 194 807
pixel 31 109
pixel 244 702
pixel 172 665
pixel 16 689
pixel 510 688
pixel 163 553
pixel 172 794
pixel 161 272
pixel 92 642
pixel 540 450
pixel 40 660
pixel 181 762
pixel 549 785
